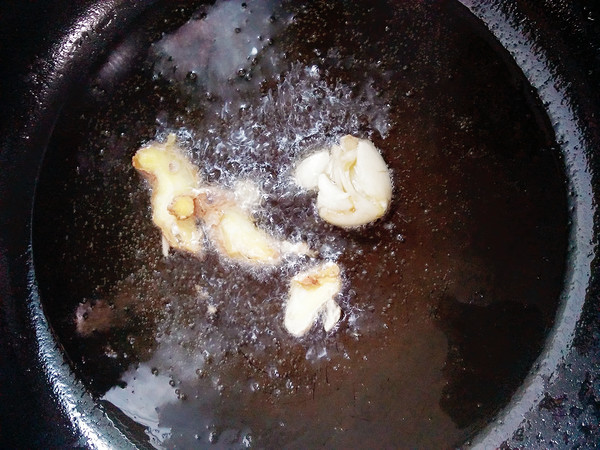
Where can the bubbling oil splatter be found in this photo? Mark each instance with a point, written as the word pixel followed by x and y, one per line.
pixel 264 136
pixel 218 318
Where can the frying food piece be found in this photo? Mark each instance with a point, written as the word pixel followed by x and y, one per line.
pixel 230 227
pixel 97 317
pixel 310 168
pixel 179 200
pixel 174 181
pixel 352 179
pixel 311 295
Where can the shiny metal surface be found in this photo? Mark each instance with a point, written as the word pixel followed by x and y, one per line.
pixel 550 68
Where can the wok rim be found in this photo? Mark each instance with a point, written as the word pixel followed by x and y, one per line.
pixel 506 25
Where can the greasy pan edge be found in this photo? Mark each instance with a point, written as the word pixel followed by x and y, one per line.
pixel 93 424
pixel 510 29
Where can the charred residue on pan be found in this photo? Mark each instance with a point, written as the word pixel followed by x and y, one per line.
pixel 469 254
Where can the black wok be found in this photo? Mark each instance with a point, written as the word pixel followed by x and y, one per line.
pixel 51 51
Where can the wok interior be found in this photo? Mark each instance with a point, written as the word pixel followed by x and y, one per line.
pixel 447 298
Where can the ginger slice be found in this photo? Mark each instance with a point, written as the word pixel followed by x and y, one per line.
pixel 174 181
pixel 232 230
pixel 182 208
pixel 352 179
pixel 311 295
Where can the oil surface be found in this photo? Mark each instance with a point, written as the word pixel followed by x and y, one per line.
pixel 446 299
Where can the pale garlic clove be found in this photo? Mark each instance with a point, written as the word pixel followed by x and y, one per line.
pixel 353 182
pixel 361 212
pixel 340 169
pixel 371 166
pixel 173 179
pixel 349 142
pixel 331 196
pixel 311 295
pixel 331 315
pixel 308 171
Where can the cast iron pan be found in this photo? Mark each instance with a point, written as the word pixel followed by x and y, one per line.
pixel 482 334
